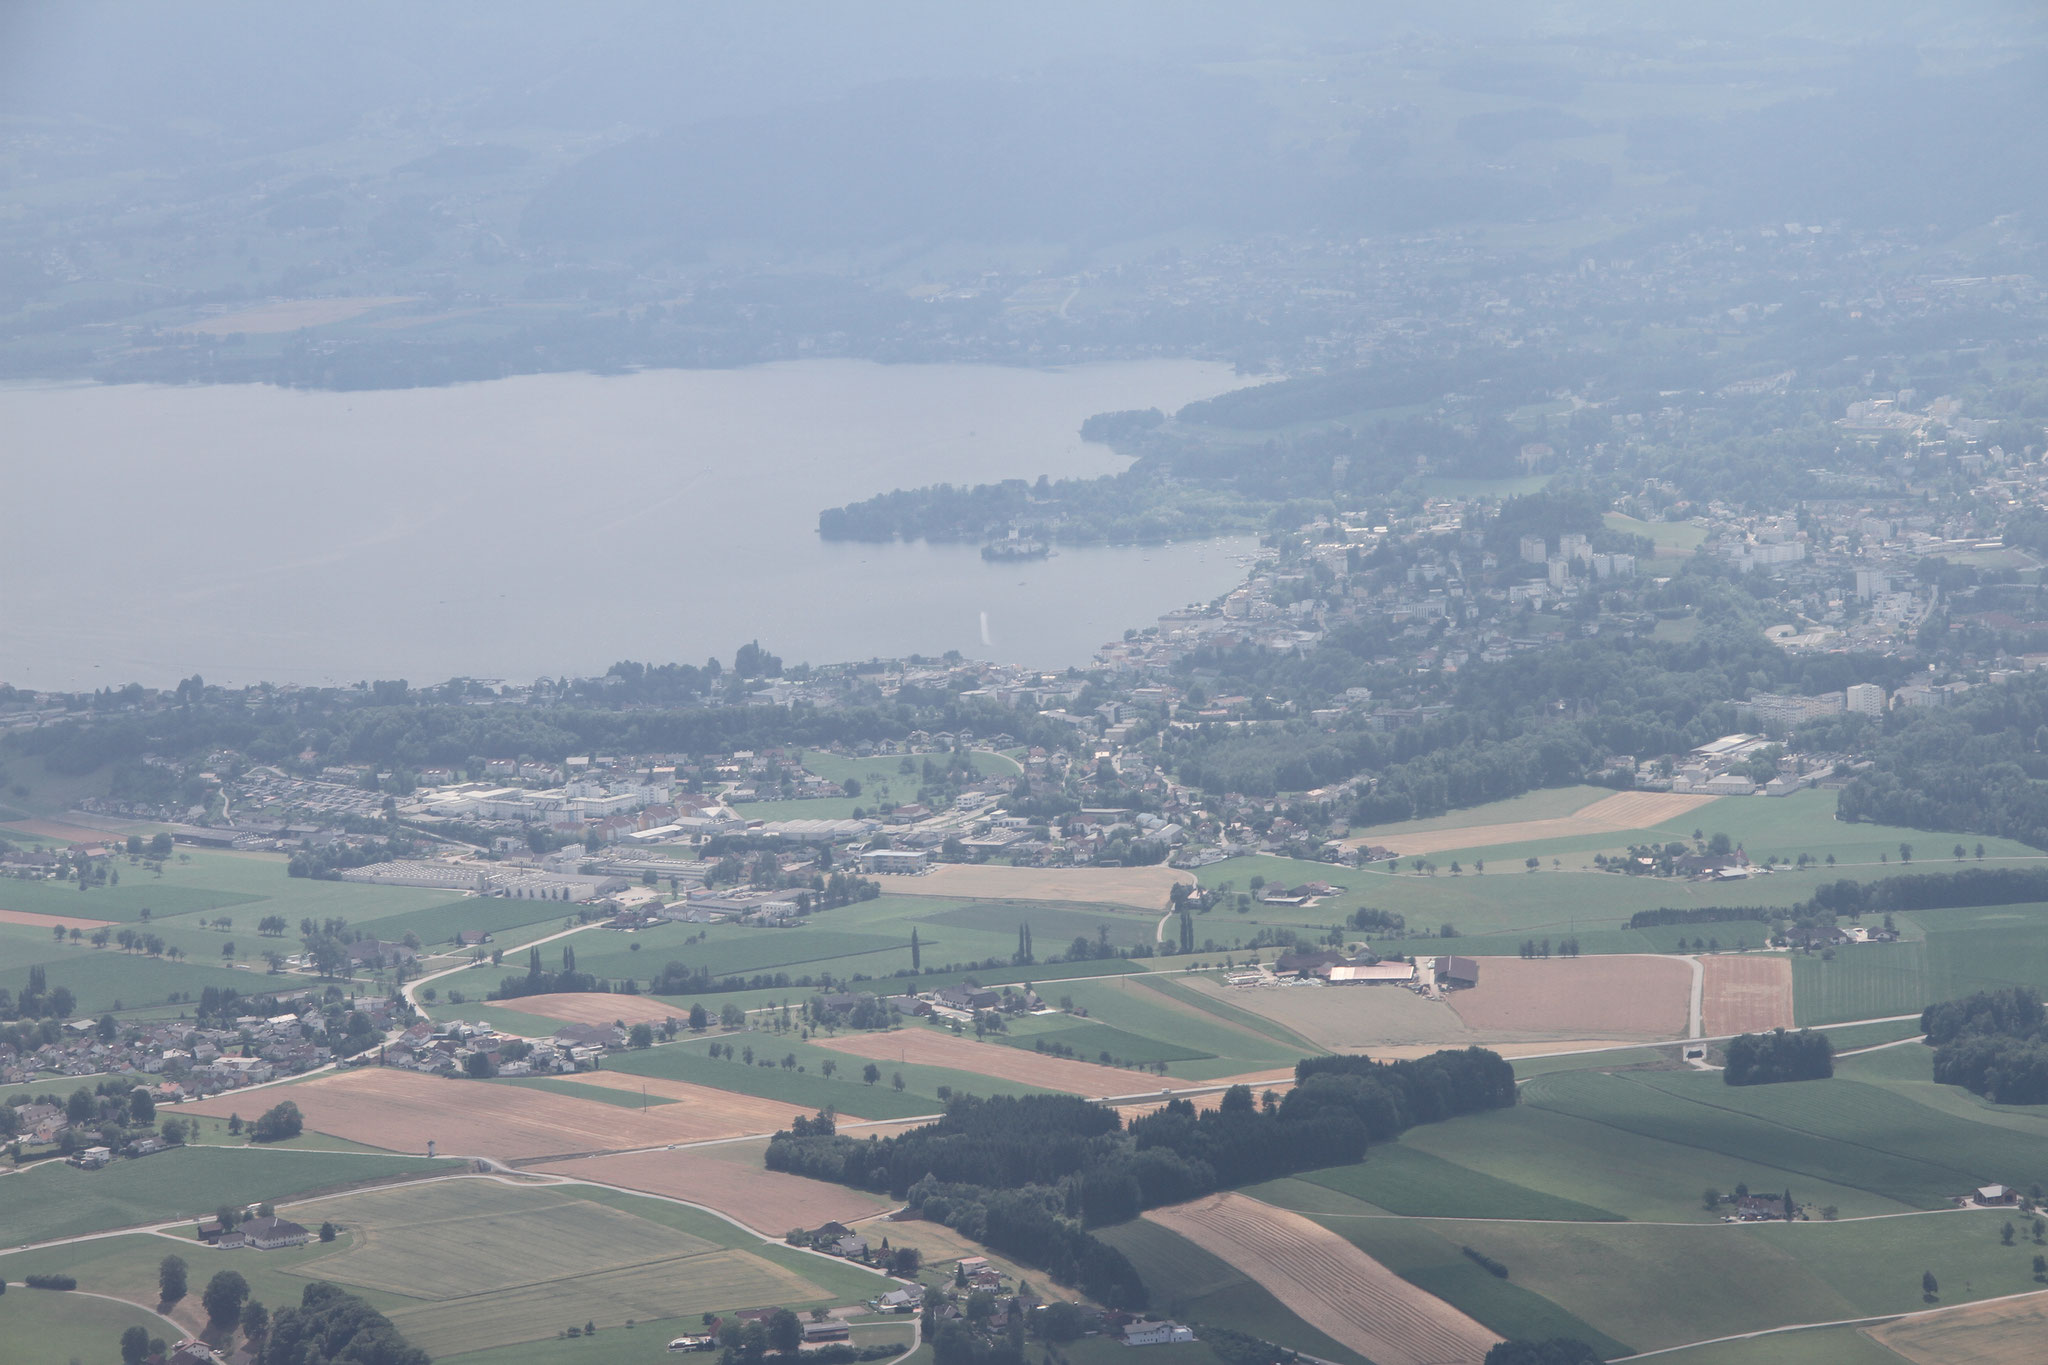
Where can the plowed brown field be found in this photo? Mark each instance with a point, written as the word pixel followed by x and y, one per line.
pixel 403 1110
pixel 769 1202
pixel 598 1008
pixel 1625 995
pixel 1330 1283
pixel 1745 994
pixel 1617 814
pixel 36 921
pixel 931 1047
pixel 1139 888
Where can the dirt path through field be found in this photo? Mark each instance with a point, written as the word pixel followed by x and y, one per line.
pixel 1330 1283
pixel 1617 814
pixel 1747 994
pixel 1138 888
pixel 931 1047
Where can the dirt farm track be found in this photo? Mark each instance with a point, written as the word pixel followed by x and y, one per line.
pixel 1334 1286
pixel 402 1111
pixel 1617 814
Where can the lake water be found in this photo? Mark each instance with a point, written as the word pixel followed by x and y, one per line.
pixel 552 524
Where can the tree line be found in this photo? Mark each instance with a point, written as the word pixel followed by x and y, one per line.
pixel 1992 1044
pixel 1768 1058
pixel 1030 1174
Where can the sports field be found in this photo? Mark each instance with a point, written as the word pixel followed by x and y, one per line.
pixel 1329 1283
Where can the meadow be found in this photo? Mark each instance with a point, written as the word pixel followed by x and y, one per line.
pixel 55 1200
pixel 1957 952
pixel 39 1328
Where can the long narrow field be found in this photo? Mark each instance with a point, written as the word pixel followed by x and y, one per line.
pixel 1330 1283
pixel 769 1202
pixel 1619 996
pixel 933 1047
pixel 404 1110
pixel 46 922
pixel 597 1008
pixel 1746 994
pixel 1616 814
pixel 1138 888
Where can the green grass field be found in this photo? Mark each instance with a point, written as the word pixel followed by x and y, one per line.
pixel 42 1328
pixel 1405 1180
pixel 55 1200
pixel 843 1091
pixel 1960 951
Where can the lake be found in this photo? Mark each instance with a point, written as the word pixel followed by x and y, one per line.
pixel 552 524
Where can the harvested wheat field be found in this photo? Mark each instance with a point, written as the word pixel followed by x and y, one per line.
pixel 1330 1283
pixel 769 1202
pixel 1137 888
pixel 1626 995
pixel 1617 814
pixel 2007 1332
pixel 35 921
pixel 597 1008
pixel 932 1047
pixel 1745 994
pixel 404 1110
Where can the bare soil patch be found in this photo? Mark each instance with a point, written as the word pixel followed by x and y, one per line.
pixel 931 1047
pixel 1330 1283
pixel 2010 1332
pixel 35 921
pixel 769 1202
pixel 1746 994
pixel 288 315
pixel 1620 996
pixel 596 1008
pixel 1139 888
pixel 1617 814
pixel 404 1110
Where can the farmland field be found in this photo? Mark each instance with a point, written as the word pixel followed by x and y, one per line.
pixel 768 1201
pixel 1962 951
pixel 937 1047
pixel 1132 888
pixel 1746 994
pixel 48 1329
pixel 404 1110
pixel 1406 1180
pixel 2008 1333
pixel 805 1085
pixel 1198 1286
pixel 54 1200
pixel 1611 813
pixel 1585 997
pixel 1340 1292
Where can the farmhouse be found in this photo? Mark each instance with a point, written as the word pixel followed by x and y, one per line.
pixel 1458 971
pixel 1997 1194
pixel 269 1234
pixel 1155 1333
pixel 1759 1208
